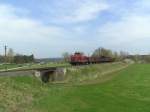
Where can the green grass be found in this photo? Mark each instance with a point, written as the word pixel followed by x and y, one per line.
pixel 127 91
pixel 92 73
pixel 8 66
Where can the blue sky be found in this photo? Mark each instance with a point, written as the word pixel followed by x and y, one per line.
pixel 48 28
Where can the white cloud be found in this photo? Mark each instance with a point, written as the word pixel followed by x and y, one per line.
pixel 27 35
pixel 79 10
pixel 130 32
pixel 86 11
pixel 128 29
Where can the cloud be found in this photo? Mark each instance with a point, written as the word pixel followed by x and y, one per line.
pixel 76 25
pixel 130 32
pixel 128 29
pixel 75 11
pixel 14 27
pixel 26 35
pixel 86 11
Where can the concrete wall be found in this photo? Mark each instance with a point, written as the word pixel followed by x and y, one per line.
pixel 51 76
pixel 57 75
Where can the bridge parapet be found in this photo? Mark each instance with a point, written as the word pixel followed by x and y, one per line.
pixel 52 74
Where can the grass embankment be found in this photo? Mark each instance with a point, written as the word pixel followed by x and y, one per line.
pixel 93 73
pixel 128 91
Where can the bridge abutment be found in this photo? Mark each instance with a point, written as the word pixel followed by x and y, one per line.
pixel 56 75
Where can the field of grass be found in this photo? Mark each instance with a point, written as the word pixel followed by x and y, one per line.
pixel 127 91
pixel 8 66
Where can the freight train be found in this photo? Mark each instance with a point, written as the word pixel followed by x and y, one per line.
pixel 80 59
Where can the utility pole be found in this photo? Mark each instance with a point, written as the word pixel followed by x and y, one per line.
pixel 5 49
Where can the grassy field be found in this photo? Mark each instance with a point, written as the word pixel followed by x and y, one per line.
pixel 127 91
pixel 8 66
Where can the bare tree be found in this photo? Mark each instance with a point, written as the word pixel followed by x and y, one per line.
pixel 10 55
pixel 123 55
pixel 66 56
pixel 103 52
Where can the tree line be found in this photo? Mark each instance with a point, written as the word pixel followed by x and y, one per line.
pixel 99 52
pixel 118 56
pixel 12 57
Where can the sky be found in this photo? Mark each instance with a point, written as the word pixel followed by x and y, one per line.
pixel 47 28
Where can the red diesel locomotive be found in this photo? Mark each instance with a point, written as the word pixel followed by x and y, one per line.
pixel 80 59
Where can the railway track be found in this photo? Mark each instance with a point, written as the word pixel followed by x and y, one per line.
pixel 29 69
pixel 19 69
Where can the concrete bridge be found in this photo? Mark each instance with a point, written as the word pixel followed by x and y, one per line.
pixel 48 74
